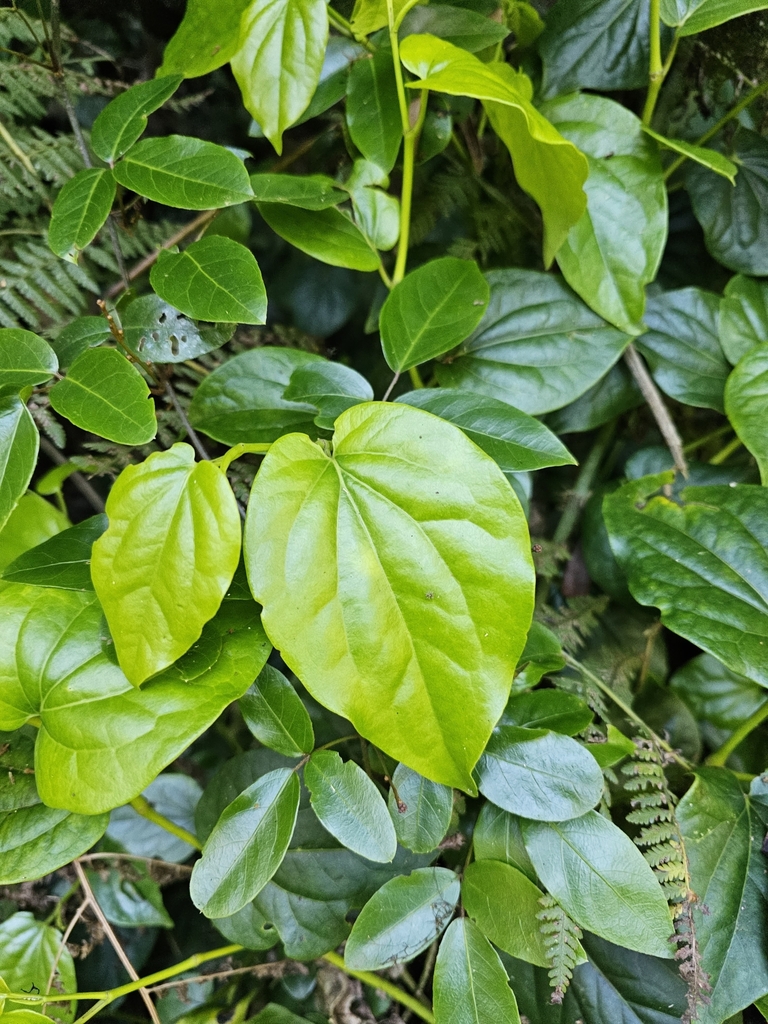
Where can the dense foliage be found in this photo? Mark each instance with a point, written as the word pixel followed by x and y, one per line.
pixel 345 681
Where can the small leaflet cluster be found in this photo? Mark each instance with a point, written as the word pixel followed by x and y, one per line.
pixel 561 937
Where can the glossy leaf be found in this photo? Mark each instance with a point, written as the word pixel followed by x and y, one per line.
pixel 19 443
pixel 63 561
pixel 431 311
pixel 171 794
pixel 184 172
pixel 104 394
pixel 203 43
pixel 400 920
pixel 373 110
pixel 167 559
pixel 542 654
pixel 548 709
pixel 701 560
pixel 699 154
pixel 80 210
pixel 242 400
pixel 308 192
pixel 382 650
pixel 36 840
pixel 24 359
pixel 717 696
pixel 370 15
pixel 247 845
pixel 538 346
pixel 350 806
pixel 330 387
pixel 602 881
pixel 615 249
pixel 124 119
pixel 498 835
pixel 28 951
pixel 82 333
pixel 461 26
pixel 504 903
pixel 743 316
pixel 692 16
pixel 421 811
pixel 32 521
pixel 746 403
pixel 327 235
pixel 276 716
pixel 470 983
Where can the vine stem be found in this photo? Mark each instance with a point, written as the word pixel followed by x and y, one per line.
pixel 143 807
pixel 256 448
pixel 375 981
pixel 719 457
pixel 719 757
pixel 656 404
pixel 656 69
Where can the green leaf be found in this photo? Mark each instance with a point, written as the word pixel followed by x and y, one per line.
pixel 243 399
pixel 17 768
pixel 601 880
pixel 171 794
pixel 63 561
pixel 350 806
pixel 538 774
pixel 431 311
pixel 723 830
pixel 106 395
pixel 249 928
pixel 504 903
pixel 24 359
pixel 470 983
pixel 377 213
pixel 716 695
pixel 28 951
pixel 373 110
pixel 421 811
pixel 326 235
pixel 400 920
pixel 124 119
pixel 538 344
pixel 81 208
pixel 206 39
pixel 498 835
pixel 186 173
pixel 746 403
pixel 513 439
pixel 700 154
pixel 542 654
pixel 461 26
pixel 692 16
pixel 615 249
pixel 701 559
pixel 167 559
pixel 370 15
pixel 683 349
pixel 743 316
pixel 330 387
pixel 31 522
pixel 36 840
pixel 547 166
pixel 247 845
pixel 214 279
pixel 159 333
pixel 278 61
pixel 83 333
pixel 19 443
pixel 276 716
pixel 404 557
pixel 734 218
pixel 130 902
pixel 614 394
pixel 548 709
pixel 308 192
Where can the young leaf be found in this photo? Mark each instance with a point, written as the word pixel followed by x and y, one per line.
pixel 746 403
pixel 159 333
pixel 187 173
pixel 538 774
pixel 32 521
pixel 34 841
pixel 470 983
pixel 123 120
pixel 601 880
pixel 421 811
pixel 24 359
pixel 215 279
pixel 699 154
pixel 504 903
pixel 373 110
pixel 276 716
pixel 350 806
pixel 548 709
pixel 308 192
pixel 278 60
pixel 29 949
pixel 327 235
pixel 19 443
pixel 370 15
pixel 538 346
pixel 167 559
pixel 62 562
pixel 498 835
pixel 743 316
pixel 104 394
pixel 400 920
pixel 692 16
pixel 80 210
pixel 431 311
pixel 247 845
pixel 418 535
pixel 330 387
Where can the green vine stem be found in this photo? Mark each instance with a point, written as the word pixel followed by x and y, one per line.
pixel 375 981
pixel 719 457
pixel 224 461
pixel 143 807
pixel 656 69
pixel 584 482
pixel 719 757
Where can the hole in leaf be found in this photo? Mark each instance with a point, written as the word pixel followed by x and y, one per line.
pixel 162 318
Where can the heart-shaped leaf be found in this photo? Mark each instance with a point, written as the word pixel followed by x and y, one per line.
pixel 743 316
pixel 29 950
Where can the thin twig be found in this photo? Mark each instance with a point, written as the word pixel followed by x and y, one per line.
pixel 182 869
pixel 273 970
pixel 197 444
pixel 390 389
pixel 89 492
pixel 656 404
pixel 62 945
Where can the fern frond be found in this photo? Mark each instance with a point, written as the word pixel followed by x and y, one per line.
pixel 561 939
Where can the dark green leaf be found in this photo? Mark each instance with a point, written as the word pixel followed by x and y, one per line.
pixel 743 316
pixel 504 903
pixel 249 928
pixel 80 210
pixel 706 157
pixel 470 984
pixel 171 794
pixel 548 709
pixel 36 840
pixel 123 120
pixel 24 359
pixel 542 654
pixel 746 403
pixel 373 110
pixel 692 16
pixel 458 25
pixel 327 235
pixel 614 394
pixel 330 387
pixel 28 951
pixel 19 443
pixel 159 333
pixel 308 192
pixel 421 811
pixel 130 902
pixel 83 333
pixel 206 38
pixel 276 716
pixel 716 695
pixel 17 771
pixel 498 835
pixel 63 561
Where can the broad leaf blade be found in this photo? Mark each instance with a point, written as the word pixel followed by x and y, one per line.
pixel 29 949
pixel 80 210
pixel 82 333
pixel 327 235
pixel 743 316
pixel 159 333
pixel 331 387
pixel 24 359
pixel 421 811
pixel 693 16
pixel 373 111
pixel 206 39
pixel 504 903
pixel 470 984
pixel 123 120
pixel 498 836
pixel 62 562
pixel 746 403
pixel 308 192
pixel 19 443
pixel 276 715
pixel 35 841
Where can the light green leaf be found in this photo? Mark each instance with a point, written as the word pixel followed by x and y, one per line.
pixel 470 983
pixel 461 26
pixel 308 192
pixel 36 840
pixel 28 951
pixel 33 521
pixel 214 279
pixel 106 395
pixel 206 39
pixel 82 333
pixel 373 110
pixel 421 811
pixel 548 709
pixel 19 443
pixel 503 903
pixel 80 210
pixel 186 173
pixel 547 166
pixel 27 1017
pixel 62 561
pixel 700 154
pixel 159 333
pixel 538 774
pixel 123 120
pixel 377 213
pixel 24 359
pixel 414 535
pixel 513 439
pixel 746 403
pixel 601 880
pixel 431 310
pixel 498 835
pixel 400 920
pixel 171 794
pixel 330 387
pixel 326 235
pixel 692 16
pixel 278 60
pixel 167 559
pixel 350 806
pixel 702 560
pixel 370 15
pixel 243 399
pixel 615 249
pixel 538 346
pixel 743 316
pixel 102 750
pixel 276 716
pixel 130 902
pixel 247 845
